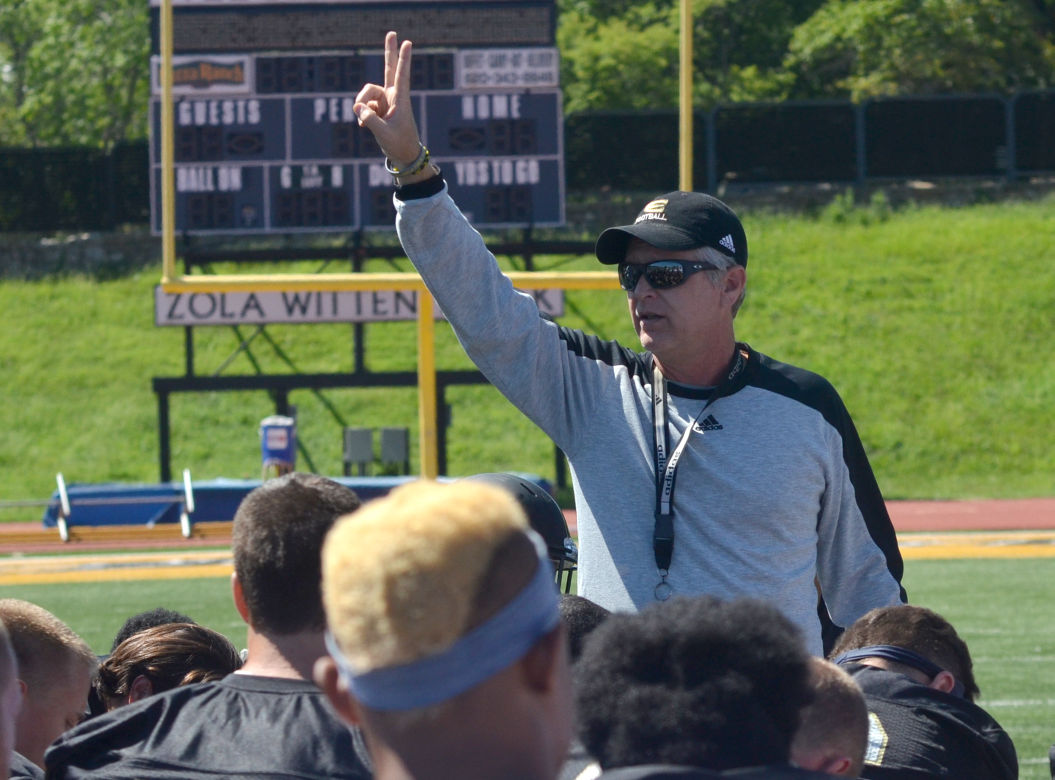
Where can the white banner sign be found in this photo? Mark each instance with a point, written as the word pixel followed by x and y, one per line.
pixel 508 68
pixel 305 307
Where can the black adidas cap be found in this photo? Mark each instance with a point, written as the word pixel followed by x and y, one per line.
pixel 679 220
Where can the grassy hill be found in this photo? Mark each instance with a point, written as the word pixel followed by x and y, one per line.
pixel 935 324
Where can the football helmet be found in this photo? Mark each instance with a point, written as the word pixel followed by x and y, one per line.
pixel 546 518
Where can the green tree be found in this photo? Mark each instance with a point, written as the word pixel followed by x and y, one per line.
pixel 618 54
pixel 628 62
pixel 739 47
pixel 73 72
pixel 20 27
pixel 868 48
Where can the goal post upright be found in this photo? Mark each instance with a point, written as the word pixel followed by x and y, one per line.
pixel 168 157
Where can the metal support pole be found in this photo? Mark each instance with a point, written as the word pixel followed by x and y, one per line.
pixel 164 446
pixel 712 150
pixel 188 351
pixel 427 387
pixel 861 143
pixel 1009 135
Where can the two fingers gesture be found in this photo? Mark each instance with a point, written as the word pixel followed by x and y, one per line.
pixel 386 110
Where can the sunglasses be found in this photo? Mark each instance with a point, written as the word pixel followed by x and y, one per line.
pixel 661 274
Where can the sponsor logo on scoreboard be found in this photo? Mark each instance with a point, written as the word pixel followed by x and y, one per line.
pixel 216 75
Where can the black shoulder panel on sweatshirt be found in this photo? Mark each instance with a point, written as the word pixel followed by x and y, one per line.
pixel 800 385
pixel 817 393
pixel 611 353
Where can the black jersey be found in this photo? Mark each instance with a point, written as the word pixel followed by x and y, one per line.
pixel 24 769
pixel 674 772
pixel 243 726
pixel 919 732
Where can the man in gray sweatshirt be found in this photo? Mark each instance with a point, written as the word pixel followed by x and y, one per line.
pixel 699 464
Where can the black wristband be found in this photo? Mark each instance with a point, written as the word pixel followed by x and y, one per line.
pixel 420 189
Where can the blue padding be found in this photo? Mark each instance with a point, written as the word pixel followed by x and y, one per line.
pixel 214 500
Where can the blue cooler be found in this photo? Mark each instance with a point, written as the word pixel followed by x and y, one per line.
pixel 278 445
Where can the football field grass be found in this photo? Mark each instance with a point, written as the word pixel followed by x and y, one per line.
pixel 1001 607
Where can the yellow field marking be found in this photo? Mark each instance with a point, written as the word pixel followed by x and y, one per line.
pixel 115 567
pixel 994 544
pixel 115 575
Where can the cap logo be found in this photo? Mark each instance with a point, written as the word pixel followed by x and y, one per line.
pixel 727 242
pixel 653 210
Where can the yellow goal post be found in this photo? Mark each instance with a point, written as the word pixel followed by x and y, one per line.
pixel 171 282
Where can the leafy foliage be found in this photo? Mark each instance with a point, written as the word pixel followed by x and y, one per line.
pixel 620 54
pixel 629 59
pixel 869 48
pixel 73 72
pixel 76 72
pixel 622 62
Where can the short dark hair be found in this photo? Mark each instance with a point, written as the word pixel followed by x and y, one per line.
pixel 158 616
pixel 914 628
pixel 693 681
pixel 277 539
pixel 580 616
pixel 169 655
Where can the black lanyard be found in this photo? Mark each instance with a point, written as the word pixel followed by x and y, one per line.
pixel 666 468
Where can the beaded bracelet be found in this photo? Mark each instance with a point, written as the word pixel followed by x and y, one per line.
pixel 417 165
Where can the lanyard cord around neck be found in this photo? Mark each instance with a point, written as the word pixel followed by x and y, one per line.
pixel 667 467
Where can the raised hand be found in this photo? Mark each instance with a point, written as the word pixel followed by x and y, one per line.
pixel 386 110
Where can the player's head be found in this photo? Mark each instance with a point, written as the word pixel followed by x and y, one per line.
pixel 692 681
pixel 913 640
pixel 158 616
pixel 580 616
pixel 545 517
pixel 55 667
pixel 442 607
pixel 276 540
pixel 162 657
pixel 833 732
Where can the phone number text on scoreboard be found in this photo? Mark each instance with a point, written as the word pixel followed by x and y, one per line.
pixel 271 144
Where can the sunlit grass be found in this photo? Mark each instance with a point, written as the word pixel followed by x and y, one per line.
pixel 934 324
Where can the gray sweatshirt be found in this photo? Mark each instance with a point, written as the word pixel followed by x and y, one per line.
pixel 773 491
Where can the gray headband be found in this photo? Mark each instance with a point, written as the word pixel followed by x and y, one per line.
pixel 490 647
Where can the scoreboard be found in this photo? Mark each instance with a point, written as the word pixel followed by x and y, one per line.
pixel 266 141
